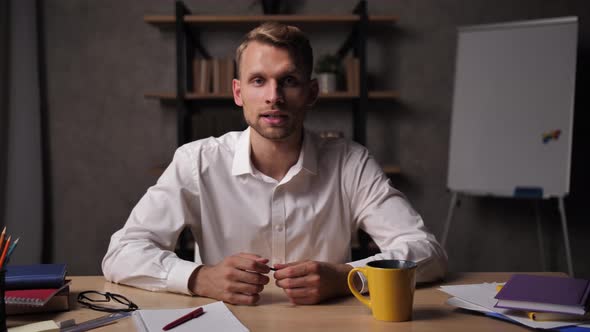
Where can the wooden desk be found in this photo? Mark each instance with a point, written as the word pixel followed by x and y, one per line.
pixel 275 312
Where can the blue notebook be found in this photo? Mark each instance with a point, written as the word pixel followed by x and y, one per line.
pixel 35 276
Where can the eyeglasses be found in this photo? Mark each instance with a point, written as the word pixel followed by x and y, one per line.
pixel 97 301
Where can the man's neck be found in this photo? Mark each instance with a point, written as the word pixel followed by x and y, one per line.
pixel 275 158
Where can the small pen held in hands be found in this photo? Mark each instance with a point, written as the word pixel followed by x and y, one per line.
pixel 191 315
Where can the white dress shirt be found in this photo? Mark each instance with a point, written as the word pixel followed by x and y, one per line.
pixel 211 186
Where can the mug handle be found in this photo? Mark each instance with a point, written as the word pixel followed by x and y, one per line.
pixel 364 299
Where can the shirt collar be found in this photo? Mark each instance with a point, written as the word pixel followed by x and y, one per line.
pixel 242 163
pixel 309 152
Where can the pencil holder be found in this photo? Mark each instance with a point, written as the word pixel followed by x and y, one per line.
pixel 2 302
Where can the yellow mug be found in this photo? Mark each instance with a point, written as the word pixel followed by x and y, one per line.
pixel 391 288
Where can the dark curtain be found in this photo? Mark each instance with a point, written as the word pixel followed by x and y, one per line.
pixel 4 79
pixel 21 149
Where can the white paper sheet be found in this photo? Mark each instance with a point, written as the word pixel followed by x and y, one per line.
pixel 217 317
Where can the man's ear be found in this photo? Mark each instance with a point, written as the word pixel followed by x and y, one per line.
pixel 313 93
pixel 237 90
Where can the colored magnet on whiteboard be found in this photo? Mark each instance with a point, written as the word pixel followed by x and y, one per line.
pixel 552 135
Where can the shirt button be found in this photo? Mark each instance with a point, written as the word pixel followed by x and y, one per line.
pixel 279 228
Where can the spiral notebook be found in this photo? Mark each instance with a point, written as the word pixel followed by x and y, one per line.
pixel 33 297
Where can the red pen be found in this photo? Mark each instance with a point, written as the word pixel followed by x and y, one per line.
pixel 193 314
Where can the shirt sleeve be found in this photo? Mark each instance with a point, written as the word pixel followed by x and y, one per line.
pixel 141 254
pixel 385 214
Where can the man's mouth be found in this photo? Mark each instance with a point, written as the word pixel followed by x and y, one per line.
pixel 274 118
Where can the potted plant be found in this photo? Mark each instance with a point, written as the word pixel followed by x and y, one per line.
pixel 327 69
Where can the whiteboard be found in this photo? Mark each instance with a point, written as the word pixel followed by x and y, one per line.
pixel 513 104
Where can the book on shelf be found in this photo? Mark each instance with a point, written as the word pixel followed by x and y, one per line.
pixel 223 73
pixel 58 301
pixel 545 294
pixel 351 69
pixel 196 75
pixel 35 276
pixel 202 69
pixel 227 75
pixel 216 75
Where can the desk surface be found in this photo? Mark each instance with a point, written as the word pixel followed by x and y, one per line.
pixel 275 312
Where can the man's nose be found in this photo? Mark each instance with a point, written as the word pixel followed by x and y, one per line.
pixel 274 94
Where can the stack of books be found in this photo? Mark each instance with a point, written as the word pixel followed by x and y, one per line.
pixel 213 76
pixel 546 297
pixel 36 288
pixel 489 299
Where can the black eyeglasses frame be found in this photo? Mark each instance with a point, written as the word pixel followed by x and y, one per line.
pixel 108 296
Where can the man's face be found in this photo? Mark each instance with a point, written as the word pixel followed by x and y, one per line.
pixel 274 93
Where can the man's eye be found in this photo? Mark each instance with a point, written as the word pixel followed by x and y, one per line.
pixel 257 81
pixel 290 81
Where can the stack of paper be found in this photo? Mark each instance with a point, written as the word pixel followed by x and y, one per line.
pixel 480 297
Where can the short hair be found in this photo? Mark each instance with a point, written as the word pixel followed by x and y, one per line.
pixel 284 36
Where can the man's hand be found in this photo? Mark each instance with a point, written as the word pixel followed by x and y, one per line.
pixel 238 279
pixel 311 282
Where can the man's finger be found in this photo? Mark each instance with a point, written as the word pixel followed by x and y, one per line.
pixel 254 257
pixel 290 283
pixel 248 277
pixel 249 264
pixel 244 288
pixel 295 293
pixel 280 266
pixel 293 271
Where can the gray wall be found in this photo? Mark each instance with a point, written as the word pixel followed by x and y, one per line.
pixel 106 136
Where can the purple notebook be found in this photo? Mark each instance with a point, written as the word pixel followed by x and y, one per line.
pixel 545 293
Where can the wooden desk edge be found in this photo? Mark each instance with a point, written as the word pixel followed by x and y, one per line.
pixel 344 314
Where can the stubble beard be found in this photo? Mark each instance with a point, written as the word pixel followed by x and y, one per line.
pixel 272 133
pixel 275 133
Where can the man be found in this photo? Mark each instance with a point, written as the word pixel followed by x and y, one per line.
pixel 274 194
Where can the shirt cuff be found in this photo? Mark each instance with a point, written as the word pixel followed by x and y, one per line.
pixel 364 284
pixel 179 275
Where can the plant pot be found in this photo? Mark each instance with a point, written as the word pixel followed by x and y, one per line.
pixel 327 82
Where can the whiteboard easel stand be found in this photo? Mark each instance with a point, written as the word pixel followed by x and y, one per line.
pixel 561 206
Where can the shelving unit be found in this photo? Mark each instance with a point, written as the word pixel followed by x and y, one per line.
pixel 344 95
pixel 187 43
pixel 217 19
pixel 186 27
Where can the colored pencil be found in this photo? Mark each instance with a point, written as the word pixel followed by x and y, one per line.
pixel 11 249
pixel 4 252
pixel 2 237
